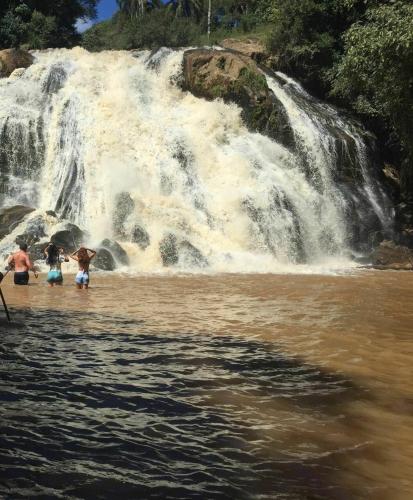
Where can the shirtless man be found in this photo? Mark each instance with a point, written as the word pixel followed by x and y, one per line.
pixel 21 263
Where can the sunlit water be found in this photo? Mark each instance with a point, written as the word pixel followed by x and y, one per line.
pixel 291 387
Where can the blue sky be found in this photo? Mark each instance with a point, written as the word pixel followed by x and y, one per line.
pixel 106 9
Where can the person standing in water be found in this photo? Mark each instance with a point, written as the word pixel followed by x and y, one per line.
pixel 21 263
pixel 83 257
pixel 55 256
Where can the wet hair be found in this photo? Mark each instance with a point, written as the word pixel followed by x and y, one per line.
pixel 23 246
pixel 52 254
pixel 83 256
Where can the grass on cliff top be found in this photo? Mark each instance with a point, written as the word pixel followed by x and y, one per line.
pixel 261 33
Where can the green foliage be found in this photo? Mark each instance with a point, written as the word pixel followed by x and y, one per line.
pixel 157 28
pixel 375 74
pixel 307 38
pixel 40 24
pixel 252 80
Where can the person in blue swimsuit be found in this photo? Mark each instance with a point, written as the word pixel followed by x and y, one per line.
pixel 83 257
pixel 55 256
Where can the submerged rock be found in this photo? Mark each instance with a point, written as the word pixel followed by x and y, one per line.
pixel 235 77
pixel 389 255
pixel 104 260
pixel 124 206
pixel 141 237
pixel 190 256
pixel 183 252
pixel 11 59
pixel 116 250
pixel 11 217
pixel 168 250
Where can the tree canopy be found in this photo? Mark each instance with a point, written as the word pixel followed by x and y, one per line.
pixel 38 24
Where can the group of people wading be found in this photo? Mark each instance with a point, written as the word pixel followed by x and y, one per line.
pixel 21 264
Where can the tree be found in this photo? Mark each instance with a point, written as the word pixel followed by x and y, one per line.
pixel 375 75
pixel 38 24
pixel 136 8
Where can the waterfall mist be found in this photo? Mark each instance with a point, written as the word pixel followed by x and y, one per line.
pixel 111 143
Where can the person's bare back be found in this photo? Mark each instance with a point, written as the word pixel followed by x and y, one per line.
pixel 21 261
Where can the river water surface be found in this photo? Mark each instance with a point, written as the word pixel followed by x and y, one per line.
pixel 229 386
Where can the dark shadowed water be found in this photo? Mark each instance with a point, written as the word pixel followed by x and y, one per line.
pixel 290 387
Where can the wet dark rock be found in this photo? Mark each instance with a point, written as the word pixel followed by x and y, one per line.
pixel 116 250
pixel 11 217
pixel 11 59
pixel 190 256
pixel 141 237
pixel 124 206
pixel 235 77
pixel 175 252
pixel 104 260
pixel 51 213
pixel 389 255
pixel 55 79
pixel 169 250
pixel 36 251
pixel 70 238
pixel 35 231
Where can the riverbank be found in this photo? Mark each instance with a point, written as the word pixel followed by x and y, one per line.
pixel 216 386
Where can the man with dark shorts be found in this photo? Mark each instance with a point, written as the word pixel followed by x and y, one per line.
pixel 21 263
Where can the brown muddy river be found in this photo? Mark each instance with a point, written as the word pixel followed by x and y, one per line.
pixel 230 386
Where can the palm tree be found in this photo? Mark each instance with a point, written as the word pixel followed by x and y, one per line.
pixel 186 8
pixel 136 8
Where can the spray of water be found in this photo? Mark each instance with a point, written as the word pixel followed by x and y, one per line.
pixel 110 142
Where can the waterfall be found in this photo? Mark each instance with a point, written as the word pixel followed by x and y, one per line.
pixel 111 143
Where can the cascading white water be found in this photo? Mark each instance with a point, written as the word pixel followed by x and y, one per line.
pixel 111 143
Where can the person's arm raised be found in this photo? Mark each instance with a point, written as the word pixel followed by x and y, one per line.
pixel 93 253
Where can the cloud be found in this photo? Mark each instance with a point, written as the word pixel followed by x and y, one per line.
pixel 83 24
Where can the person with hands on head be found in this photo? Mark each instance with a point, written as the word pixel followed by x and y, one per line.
pixel 21 263
pixel 83 257
pixel 55 256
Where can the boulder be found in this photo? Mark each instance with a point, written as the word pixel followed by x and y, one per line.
pixel 250 47
pixel 35 231
pixel 124 206
pixel 141 237
pixel 190 256
pixel 70 238
pixel 116 250
pixel 389 255
pixel 104 260
pixel 11 59
pixel 169 251
pixel 36 251
pixel 236 78
pixel 11 217
pixel 175 252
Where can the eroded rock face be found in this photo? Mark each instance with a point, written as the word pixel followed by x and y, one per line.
pixel 116 250
pixel 11 217
pixel 391 256
pixel 174 251
pixel 104 260
pixel 11 59
pixel 250 47
pixel 141 237
pixel 235 77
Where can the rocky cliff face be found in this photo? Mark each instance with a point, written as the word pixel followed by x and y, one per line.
pixel 12 59
pixel 235 77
